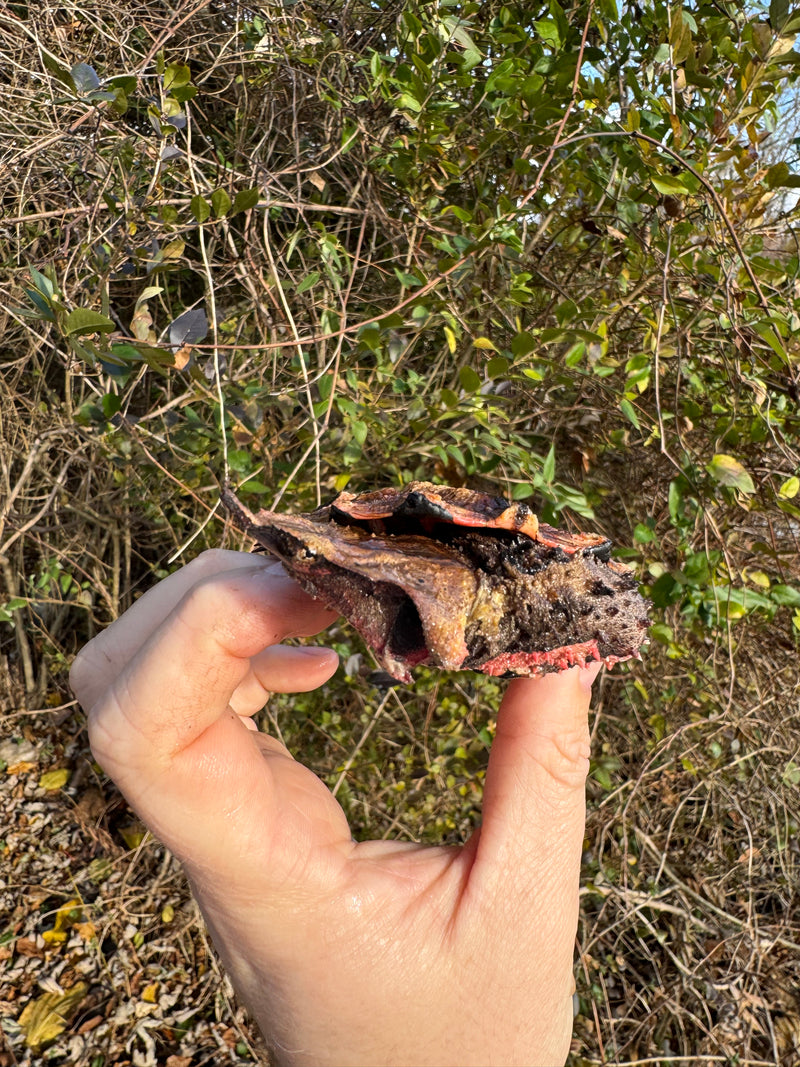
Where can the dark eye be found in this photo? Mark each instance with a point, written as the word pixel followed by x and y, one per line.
pixel 601 552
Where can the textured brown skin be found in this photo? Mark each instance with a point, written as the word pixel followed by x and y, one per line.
pixel 457 579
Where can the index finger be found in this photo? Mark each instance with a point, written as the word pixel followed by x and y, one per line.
pixel 104 657
pixel 179 683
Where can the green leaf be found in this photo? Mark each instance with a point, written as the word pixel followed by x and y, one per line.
pixel 410 103
pixel 497 367
pixel 252 485
pixel 42 283
pixel 176 75
pixel 785 595
pixel 669 186
pixel 470 380
pixel 674 500
pixel 82 320
pixel 549 465
pixel 359 429
pixel 523 343
pixel 766 331
pixel 184 93
pixel 308 282
pixel 776 175
pixel 790 488
pixel 200 208
pixel 548 32
pixel 245 200
pixel 58 71
pixel 778 14
pixel 41 305
pixel 220 203
pixel 629 411
pixel 125 82
pixel 85 78
pixel 729 471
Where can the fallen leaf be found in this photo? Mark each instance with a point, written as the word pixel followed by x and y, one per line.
pixel 66 917
pixel 15 751
pixel 56 779
pixel 24 946
pixel 43 1019
pixel 21 768
pixel 90 1024
pixel 133 835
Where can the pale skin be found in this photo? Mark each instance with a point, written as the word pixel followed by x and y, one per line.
pixel 346 953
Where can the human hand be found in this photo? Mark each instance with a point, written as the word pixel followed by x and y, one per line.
pixel 346 953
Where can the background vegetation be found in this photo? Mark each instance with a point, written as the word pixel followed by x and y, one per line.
pixel 544 250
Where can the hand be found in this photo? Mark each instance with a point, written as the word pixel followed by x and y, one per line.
pixel 370 953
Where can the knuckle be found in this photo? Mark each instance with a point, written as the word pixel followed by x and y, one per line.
pixel 565 759
pixel 209 562
pixel 225 612
pixel 83 673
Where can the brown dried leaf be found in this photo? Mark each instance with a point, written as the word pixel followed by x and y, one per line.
pixel 182 356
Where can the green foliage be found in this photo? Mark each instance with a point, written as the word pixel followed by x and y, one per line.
pixel 505 226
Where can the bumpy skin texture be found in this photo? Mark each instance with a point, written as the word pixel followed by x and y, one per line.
pixel 458 579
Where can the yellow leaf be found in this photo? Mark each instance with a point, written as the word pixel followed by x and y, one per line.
pixel 66 917
pixel 483 342
pixel 133 835
pixel 759 578
pixel 790 488
pixel 55 779
pixel 173 250
pixel 43 1019
pixel 150 992
pixel 167 913
pixel 54 937
pixel 451 339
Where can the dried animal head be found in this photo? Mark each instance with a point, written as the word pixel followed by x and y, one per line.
pixel 458 579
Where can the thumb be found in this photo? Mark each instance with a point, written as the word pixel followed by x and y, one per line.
pixel 534 794
pixel 527 853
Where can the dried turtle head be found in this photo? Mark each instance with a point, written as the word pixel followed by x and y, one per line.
pixel 458 579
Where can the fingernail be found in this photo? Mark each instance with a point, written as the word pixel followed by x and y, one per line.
pixel 315 650
pixel 588 674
